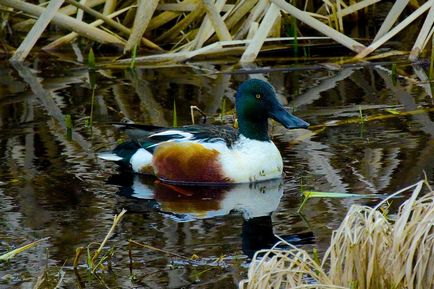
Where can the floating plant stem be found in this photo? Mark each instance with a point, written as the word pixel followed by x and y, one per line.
pixel 9 255
pixel 312 194
pixel 132 242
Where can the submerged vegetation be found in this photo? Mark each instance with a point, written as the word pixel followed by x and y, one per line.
pixel 176 31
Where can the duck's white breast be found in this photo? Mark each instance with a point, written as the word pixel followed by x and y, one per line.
pixel 251 161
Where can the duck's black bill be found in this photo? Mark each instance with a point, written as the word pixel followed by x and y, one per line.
pixel 288 120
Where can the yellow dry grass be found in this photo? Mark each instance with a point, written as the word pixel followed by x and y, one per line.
pixel 367 251
pixel 191 27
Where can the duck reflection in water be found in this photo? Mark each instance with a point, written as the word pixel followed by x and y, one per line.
pixel 255 201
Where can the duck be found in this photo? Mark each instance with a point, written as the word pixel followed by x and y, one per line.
pixel 211 154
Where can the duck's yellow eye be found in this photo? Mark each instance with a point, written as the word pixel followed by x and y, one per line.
pixel 258 96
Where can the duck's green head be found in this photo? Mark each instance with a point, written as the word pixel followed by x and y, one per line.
pixel 255 102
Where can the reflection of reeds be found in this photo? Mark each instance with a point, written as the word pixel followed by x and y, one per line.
pixel 191 25
pixel 368 250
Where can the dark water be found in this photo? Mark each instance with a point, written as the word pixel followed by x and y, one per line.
pixel 52 185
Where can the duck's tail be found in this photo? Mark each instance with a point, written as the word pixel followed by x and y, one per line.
pixel 109 156
pixel 130 155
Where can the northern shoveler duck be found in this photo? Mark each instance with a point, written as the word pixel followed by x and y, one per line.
pixel 212 154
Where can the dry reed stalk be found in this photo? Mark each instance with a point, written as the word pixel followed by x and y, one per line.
pixel 239 12
pixel 255 45
pixel 128 19
pixel 431 32
pixel 167 16
pixel 66 22
pixel 423 36
pixel 217 47
pixel 252 31
pixel 71 36
pixel 174 32
pixel 374 45
pixel 216 21
pixel 391 18
pixel 339 16
pixel 67 10
pixel 179 7
pixel 144 13
pixel 80 12
pixel 36 31
pixel 255 15
pixel 109 6
pixel 100 16
pixel 176 7
pixel 355 7
pixel 111 22
pixel 366 251
pixel 276 30
pixel 319 26
pixel 162 19
pixel 205 30
pixel 221 46
pixel 333 17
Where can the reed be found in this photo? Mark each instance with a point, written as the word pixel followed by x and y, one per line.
pixel 185 27
pixel 368 250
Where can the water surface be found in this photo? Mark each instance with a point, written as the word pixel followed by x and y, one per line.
pixel 53 185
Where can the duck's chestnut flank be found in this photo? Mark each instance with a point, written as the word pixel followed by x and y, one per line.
pixel 188 162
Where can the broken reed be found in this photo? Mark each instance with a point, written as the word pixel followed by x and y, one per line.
pixel 204 27
pixel 368 250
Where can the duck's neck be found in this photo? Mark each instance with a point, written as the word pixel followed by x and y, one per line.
pixel 257 130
